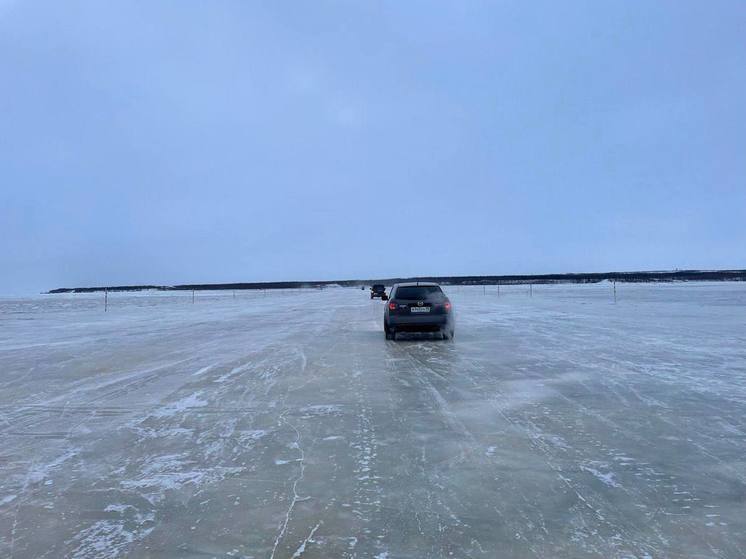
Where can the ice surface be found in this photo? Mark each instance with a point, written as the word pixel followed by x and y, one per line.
pixel 283 425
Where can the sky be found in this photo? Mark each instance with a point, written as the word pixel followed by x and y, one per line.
pixel 165 142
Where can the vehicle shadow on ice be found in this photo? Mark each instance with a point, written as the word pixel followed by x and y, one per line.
pixel 403 337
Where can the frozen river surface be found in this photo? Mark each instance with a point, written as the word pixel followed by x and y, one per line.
pixel 558 425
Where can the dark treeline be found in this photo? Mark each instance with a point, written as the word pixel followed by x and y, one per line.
pixel 634 277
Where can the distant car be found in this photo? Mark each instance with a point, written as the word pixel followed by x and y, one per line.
pixel 418 307
pixel 378 290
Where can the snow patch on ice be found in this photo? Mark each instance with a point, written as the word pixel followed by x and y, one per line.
pixel 186 403
pixel 202 370
pixel 605 478
pixel 232 372
pixel 7 499
pixel 249 437
pixel 118 507
pixel 166 432
pixel 38 472
pixel 554 440
pixel 171 472
pixel 111 538
pixel 321 410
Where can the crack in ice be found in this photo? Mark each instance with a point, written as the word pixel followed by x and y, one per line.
pixel 309 538
pixel 296 498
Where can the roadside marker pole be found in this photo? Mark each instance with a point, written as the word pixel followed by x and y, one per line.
pixel 530 289
pixel 192 296
pixel 498 288
pixel 614 291
pixel 106 300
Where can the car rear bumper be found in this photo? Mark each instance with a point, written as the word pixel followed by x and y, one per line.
pixel 432 322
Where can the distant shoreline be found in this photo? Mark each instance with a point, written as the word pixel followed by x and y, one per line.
pixel 629 277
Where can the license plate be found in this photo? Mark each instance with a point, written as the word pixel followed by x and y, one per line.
pixel 419 309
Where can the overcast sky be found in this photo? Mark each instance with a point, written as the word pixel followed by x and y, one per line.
pixel 176 142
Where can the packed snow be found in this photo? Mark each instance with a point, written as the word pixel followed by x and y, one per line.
pixel 560 423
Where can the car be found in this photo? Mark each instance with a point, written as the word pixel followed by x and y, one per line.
pixel 418 307
pixel 378 290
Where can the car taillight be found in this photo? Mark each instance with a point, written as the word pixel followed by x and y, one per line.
pixel 448 306
pixel 392 306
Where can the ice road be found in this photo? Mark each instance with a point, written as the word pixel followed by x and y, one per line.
pixel 283 425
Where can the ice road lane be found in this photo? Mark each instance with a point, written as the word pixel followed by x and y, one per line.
pixel 283 425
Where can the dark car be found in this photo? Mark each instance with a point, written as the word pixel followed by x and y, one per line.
pixel 378 290
pixel 418 307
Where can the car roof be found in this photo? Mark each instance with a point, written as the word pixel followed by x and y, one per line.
pixel 417 284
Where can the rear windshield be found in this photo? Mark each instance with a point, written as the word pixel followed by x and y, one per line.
pixel 417 292
pixel 379 287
